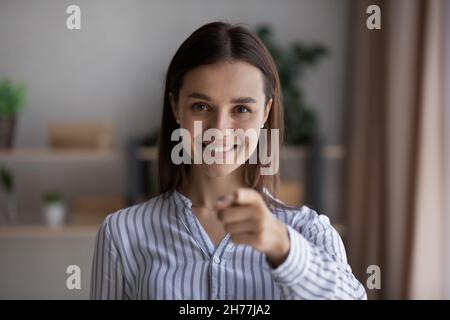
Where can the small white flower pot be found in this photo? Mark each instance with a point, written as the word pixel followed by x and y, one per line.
pixel 55 214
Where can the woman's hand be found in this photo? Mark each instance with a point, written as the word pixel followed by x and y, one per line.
pixel 248 220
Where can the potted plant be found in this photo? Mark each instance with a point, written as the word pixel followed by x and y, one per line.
pixel 7 181
pixel 54 209
pixel 12 100
pixel 301 122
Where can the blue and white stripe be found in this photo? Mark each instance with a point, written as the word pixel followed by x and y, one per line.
pixel 159 250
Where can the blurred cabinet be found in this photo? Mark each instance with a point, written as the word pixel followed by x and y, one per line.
pixel 91 181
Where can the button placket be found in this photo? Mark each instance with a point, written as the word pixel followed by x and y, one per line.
pixel 219 268
pixel 215 274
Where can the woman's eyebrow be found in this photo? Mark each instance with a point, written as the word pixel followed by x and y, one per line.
pixel 202 96
pixel 199 96
pixel 243 100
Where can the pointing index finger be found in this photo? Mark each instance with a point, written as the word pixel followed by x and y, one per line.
pixel 224 202
pixel 241 196
pixel 246 196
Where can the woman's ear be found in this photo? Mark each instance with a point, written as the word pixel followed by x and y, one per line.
pixel 267 109
pixel 174 106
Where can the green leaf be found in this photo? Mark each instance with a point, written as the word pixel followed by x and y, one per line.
pixel 12 97
pixel 7 179
pixel 301 121
pixel 52 197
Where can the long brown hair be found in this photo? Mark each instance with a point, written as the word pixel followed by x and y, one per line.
pixel 213 43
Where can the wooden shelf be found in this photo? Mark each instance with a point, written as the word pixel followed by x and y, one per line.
pixel 331 152
pixel 45 154
pixel 334 152
pixel 294 153
pixel 44 231
pixel 147 153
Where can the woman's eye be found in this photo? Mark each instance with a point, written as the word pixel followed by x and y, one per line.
pixel 200 107
pixel 242 109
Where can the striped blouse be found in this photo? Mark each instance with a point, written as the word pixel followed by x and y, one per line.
pixel 159 250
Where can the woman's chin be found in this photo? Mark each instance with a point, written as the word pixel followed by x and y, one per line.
pixel 219 170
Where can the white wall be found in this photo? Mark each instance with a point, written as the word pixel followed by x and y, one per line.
pixel 34 266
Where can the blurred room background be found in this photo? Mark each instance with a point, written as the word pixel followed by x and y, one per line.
pixel 368 128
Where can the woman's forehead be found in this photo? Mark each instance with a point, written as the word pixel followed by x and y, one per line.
pixel 225 80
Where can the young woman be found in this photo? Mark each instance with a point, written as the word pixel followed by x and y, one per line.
pixel 216 230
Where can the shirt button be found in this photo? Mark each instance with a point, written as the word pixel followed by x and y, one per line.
pixel 216 259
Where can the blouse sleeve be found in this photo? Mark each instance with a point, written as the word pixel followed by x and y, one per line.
pixel 107 278
pixel 316 266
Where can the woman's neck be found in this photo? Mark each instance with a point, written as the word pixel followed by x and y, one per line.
pixel 204 191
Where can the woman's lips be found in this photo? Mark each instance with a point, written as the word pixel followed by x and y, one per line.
pixel 224 148
pixel 220 148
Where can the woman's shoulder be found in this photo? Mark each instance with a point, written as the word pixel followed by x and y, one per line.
pixel 284 211
pixel 125 227
pixel 131 213
pixel 302 216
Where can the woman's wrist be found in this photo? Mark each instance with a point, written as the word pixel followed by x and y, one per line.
pixel 280 251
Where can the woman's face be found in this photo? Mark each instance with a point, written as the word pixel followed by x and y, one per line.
pixel 222 96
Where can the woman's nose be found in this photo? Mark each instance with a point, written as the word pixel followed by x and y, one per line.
pixel 221 121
